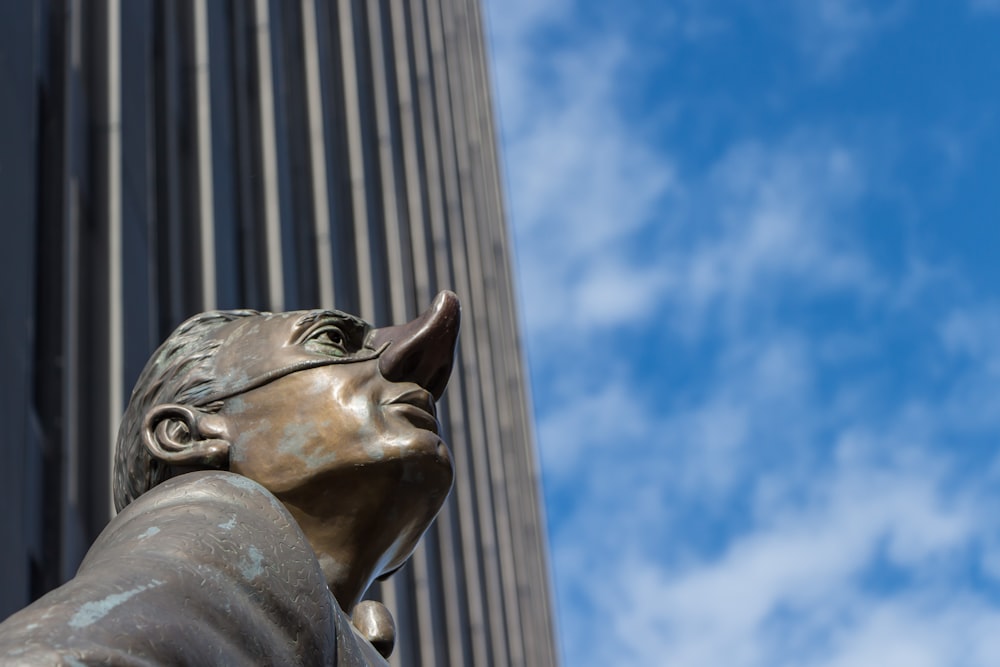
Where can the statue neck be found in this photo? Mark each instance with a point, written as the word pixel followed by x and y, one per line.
pixel 346 564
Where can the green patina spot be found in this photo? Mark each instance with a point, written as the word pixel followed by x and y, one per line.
pixel 91 612
pixel 301 440
pixel 252 567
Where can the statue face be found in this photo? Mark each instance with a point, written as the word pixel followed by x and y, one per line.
pixel 324 421
pixel 338 420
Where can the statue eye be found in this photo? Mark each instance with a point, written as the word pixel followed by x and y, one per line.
pixel 331 339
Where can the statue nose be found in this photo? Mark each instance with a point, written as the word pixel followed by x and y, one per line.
pixel 422 350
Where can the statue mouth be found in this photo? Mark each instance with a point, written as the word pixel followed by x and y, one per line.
pixel 417 406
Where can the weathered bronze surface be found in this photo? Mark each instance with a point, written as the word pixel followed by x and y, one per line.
pixel 269 467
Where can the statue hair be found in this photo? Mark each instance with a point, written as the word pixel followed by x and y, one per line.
pixel 180 371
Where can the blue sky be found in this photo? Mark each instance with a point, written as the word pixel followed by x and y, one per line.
pixel 757 253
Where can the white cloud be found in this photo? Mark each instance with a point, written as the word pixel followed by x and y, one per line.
pixel 762 217
pixel 584 182
pixel 609 231
pixel 584 186
pixel 793 589
pixel 602 420
pixel 766 216
pixel 792 578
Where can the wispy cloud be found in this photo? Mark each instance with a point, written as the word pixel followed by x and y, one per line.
pixel 711 245
pixel 975 334
pixel 766 216
pixel 833 31
pixel 724 534
pixel 800 587
pixel 613 228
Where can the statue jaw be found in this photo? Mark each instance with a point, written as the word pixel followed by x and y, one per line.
pixel 367 522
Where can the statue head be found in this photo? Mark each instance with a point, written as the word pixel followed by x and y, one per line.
pixel 332 416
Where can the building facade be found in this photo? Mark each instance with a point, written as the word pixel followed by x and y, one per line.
pixel 161 158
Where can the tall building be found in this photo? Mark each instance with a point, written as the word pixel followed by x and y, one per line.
pixel 160 158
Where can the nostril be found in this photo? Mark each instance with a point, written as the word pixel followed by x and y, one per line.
pixel 399 364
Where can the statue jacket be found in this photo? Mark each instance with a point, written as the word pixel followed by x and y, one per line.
pixel 205 569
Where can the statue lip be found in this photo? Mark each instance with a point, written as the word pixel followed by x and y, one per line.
pixel 418 406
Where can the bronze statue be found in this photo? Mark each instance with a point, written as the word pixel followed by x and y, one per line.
pixel 268 469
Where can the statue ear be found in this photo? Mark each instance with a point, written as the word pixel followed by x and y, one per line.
pixel 182 436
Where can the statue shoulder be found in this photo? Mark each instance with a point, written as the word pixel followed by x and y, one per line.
pixel 207 567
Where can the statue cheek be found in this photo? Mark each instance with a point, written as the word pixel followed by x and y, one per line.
pixel 304 441
pixel 249 438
